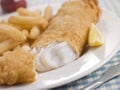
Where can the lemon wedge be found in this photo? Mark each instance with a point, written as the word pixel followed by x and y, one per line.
pixel 95 38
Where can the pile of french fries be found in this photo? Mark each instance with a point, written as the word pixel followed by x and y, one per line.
pixel 23 29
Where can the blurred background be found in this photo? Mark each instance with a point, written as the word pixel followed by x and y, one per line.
pixel 112 5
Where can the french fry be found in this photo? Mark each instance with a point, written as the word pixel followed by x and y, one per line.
pixel 3 22
pixel 7 23
pixel 12 32
pixel 3 37
pixel 27 27
pixel 26 46
pixel 24 12
pixel 37 13
pixel 33 21
pixel 48 13
pixel 25 32
pixel 8 45
pixel 34 32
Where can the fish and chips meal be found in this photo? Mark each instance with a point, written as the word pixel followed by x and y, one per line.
pixel 31 43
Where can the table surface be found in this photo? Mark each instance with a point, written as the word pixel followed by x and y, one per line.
pixel 114 6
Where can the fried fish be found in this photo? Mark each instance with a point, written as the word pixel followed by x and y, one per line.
pixel 17 67
pixel 66 36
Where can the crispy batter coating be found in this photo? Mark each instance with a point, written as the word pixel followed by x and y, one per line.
pixel 17 67
pixel 71 24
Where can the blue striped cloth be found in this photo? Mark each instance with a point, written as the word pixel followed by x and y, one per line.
pixel 114 6
pixel 111 85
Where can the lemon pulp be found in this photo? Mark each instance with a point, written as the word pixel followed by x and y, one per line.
pixel 95 38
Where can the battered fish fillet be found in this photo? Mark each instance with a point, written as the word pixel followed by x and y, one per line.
pixel 17 67
pixel 66 36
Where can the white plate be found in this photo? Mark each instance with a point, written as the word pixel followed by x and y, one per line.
pixel 89 62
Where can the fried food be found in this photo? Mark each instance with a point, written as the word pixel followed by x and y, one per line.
pixel 12 32
pixel 8 45
pixel 24 12
pixel 3 37
pixel 70 25
pixel 24 28
pixel 32 21
pixel 25 32
pixel 17 67
pixel 48 13
pixel 62 42
pixel 34 32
